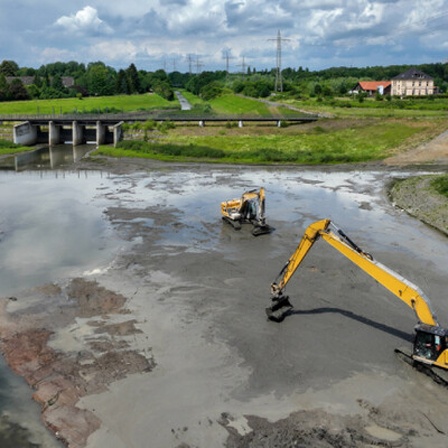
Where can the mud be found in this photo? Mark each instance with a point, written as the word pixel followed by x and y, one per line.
pixel 171 348
pixel 58 377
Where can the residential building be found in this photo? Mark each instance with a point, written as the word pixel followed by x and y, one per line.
pixel 413 82
pixel 373 87
pixel 67 81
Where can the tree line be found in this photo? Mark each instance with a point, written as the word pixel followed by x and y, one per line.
pixel 98 79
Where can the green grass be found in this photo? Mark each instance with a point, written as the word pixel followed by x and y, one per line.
pixel 11 148
pixel 346 108
pixel 361 144
pixel 118 103
pixel 233 104
pixel 440 184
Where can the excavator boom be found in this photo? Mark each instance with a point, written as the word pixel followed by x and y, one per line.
pixel 391 280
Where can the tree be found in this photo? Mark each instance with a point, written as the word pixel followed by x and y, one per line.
pixel 100 79
pixel 122 83
pixel 57 84
pixel 9 68
pixel 163 89
pixel 211 91
pixel 4 88
pixel 133 79
pixel 33 91
pixel 18 90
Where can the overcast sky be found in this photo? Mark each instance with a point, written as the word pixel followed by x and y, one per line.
pixel 195 35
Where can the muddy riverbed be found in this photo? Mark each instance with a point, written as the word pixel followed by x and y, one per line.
pixel 168 344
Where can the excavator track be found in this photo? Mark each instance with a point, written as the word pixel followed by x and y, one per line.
pixel 439 375
pixel 235 224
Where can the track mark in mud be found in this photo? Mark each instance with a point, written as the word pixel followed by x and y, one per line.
pixel 317 429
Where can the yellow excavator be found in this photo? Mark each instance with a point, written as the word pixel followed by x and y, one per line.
pixel 249 209
pixel 430 347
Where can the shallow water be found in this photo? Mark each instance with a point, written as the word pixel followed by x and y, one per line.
pixel 45 158
pixel 52 226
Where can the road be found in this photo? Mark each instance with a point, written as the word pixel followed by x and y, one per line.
pixel 184 104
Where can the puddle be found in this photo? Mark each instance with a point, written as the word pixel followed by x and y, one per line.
pixel 383 433
pixel 50 227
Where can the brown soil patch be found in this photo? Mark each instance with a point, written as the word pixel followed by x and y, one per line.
pixel 60 379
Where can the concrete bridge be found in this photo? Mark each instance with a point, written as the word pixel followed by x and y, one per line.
pixel 107 128
pixel 77 133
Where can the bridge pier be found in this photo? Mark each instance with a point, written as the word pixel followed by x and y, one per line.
pixel 100 133
pixel 25 134
pixel 117 133
pixel 77 134
pixel 54 134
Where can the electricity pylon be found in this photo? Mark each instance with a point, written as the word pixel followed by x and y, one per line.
pixel 278 72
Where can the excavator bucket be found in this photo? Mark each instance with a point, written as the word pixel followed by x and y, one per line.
pixel 262 229
pixel 279 309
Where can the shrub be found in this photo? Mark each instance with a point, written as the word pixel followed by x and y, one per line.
pixel 440 184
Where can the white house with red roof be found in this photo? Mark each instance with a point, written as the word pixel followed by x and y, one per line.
pixel 373 87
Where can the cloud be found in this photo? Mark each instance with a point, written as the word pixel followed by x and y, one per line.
pixel 85 21
pixel 114 51
pixel 316 33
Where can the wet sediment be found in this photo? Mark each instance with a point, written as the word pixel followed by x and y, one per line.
pixel 60 378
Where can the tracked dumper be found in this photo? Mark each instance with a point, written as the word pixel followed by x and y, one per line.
pixel 430 348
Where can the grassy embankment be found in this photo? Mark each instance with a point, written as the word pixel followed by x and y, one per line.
pixel 359 132
pixel 353 136
pixel 109 104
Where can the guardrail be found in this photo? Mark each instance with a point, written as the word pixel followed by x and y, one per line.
pixel 145 116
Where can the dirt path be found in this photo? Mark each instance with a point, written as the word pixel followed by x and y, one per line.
pixel 432 152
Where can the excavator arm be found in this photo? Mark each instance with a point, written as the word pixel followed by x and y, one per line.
pixel 430 348
pixel 394 282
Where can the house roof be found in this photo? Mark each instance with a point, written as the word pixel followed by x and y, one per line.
pixel 412 74
pixel 26 80
pixel 67 81
pixel 374 85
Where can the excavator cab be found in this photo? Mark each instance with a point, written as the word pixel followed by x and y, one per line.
pixel 429 343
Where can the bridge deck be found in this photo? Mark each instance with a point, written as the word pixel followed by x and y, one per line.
pixel 133 117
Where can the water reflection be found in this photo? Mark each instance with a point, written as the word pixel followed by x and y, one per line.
pixel 46 157
pixel 52 227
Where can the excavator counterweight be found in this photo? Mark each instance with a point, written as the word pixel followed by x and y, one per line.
pixel 430 348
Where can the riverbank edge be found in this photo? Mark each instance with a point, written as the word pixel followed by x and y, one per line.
pixel 419 199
